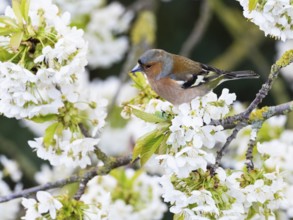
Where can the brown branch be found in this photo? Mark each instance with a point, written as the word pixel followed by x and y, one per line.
pixel 100 154
pixel 252 142
pixel 221 152
pixel 101 170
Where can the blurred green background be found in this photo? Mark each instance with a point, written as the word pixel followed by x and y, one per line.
pixel 229 42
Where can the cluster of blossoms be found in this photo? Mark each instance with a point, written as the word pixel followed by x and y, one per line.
pixel 274 152
pixel 191 139
pixel 277 154
pixel 123 194
pixel 274 17
pixel 190 143
pixel 228 195
pixel 128 194
pixel 103 26
pixel 43 79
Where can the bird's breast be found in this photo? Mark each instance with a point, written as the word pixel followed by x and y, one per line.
pixel 173 92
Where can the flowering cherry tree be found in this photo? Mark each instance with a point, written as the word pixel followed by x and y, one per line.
pixel 177 159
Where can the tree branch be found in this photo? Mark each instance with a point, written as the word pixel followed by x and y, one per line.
pixel 253 105
pixel 100 154
pixel 101 170
pixel 221 152
pixel 252 142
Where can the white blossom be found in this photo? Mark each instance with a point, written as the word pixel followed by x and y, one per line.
pixel 11 168
pixel 106 47
pixel 47 203
pixel 11 207
pixel 44 203
pixel 3 5
pixel 274 17
pixel 143 202
pixel 31 209
pixel 51 174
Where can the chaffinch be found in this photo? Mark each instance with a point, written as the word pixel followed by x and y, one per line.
pixel 179 79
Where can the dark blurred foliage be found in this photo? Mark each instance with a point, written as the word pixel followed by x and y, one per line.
pixel 175 20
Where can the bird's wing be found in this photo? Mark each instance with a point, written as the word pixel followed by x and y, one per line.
pixel 189 73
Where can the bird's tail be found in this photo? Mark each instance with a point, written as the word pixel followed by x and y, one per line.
pixel 243 74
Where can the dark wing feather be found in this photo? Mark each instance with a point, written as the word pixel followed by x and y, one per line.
pixel 191 74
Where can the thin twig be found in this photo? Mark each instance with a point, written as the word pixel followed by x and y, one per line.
pixel 100 154
pixel 263 91
pixel 252 142
pixel 198 29
pixel 29 191
pixel 231 122
pixel 102 170
pixel 221 152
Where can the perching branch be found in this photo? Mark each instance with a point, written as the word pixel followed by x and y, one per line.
pixel 95 171
pixel 241 120
pixel 244 116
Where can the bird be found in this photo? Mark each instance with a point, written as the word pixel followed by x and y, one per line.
pixel 179 79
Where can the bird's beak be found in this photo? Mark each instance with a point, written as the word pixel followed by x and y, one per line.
pixel 137 68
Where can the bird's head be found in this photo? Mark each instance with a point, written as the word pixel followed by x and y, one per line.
pixel 155 63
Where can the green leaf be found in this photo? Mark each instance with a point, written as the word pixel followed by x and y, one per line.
pixel 5 55
pixel 150 148
pixel 153 118
pixel 17 10
pixel 8 22
pixel 142 141
pixel 147 145
pixel 252 4
pixel 49 133
pixel 163 146
pixel 7 31
pixel 138 79
pixel 115 119
pixel 15 40
pixel 25 5
pixel 70 189
pixel 135 176
pixel 178 217
pixel 44 118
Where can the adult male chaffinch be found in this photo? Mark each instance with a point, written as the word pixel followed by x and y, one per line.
pixel 179 79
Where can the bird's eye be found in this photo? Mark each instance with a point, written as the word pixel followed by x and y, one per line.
pixel 148 66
